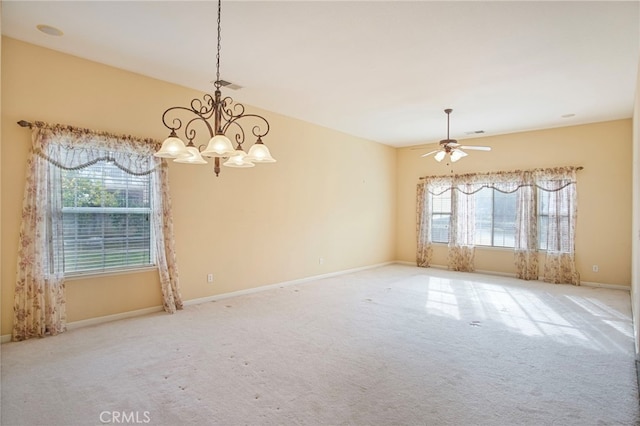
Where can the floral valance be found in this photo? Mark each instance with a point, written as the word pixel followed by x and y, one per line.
pixel 72 148
pixel 549 179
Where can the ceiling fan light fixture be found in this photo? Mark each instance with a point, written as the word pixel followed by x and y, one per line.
pixel 457 154
pixel 452 147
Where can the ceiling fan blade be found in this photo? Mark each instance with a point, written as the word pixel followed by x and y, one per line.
pixel 476 148
pixel 429 153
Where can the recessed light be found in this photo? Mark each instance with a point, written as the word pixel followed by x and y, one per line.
pixel 49 30
pixel 567 115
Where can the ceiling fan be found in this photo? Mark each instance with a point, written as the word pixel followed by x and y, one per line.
pixel 452 147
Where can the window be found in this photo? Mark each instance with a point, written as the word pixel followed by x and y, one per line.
pixel 83 214
pixel 440 216
pixel 495 218
pixel 526 210
pixel 558 222
pixel 106 219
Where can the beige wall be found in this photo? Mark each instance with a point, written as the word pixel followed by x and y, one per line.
pixel 329 196
pixel 604 192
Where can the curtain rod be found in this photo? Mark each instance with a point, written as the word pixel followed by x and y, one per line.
pixel 425 177
pixel 43 125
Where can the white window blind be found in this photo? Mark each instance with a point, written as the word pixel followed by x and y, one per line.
pixel 554 220
pixel 106 219
pixel 495 218
pixel 440 215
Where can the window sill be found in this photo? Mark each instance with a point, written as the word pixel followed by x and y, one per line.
pixel 89 275
pixel 496 248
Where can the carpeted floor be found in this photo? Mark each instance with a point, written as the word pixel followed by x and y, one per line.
pixel 395 345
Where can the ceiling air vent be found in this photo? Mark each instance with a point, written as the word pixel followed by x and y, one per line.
pixel 232 86
pixel 474 132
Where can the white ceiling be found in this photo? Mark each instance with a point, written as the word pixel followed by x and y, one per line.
pixel 381 70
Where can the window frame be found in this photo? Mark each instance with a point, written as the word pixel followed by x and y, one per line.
pixel 102 210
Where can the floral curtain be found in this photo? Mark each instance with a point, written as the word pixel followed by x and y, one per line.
pixel 39 307
pixel 423 228
pixel 165 252
pixel 424 209
pixel 559 188
pixel 39 304
pixel 462 228
pixel 526 242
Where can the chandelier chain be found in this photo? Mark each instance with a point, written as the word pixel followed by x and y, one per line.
pixel 217 83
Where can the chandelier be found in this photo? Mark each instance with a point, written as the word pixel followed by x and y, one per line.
pixel 226 126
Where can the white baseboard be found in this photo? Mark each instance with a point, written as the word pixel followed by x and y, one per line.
pixel 444 267
pixel 108 318
pixel 603 285
pixel 512 275
pixel 280 284
pixel 100 320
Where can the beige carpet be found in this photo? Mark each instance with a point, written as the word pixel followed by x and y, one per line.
pixel 395 345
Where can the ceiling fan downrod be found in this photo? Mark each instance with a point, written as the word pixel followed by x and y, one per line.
pixel 448 111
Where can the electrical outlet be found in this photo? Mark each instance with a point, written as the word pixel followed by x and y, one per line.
pixel 321 261
pixel 209 278
pixel 595 268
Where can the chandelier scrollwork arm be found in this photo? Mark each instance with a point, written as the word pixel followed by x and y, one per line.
pixel 234 115
pixel 256 129
pixel 201 111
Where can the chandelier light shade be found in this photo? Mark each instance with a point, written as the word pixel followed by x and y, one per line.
pixel 259 153
pixel 219 146
pixel 191 157
pixel 172 147
pixel 228 118
pixel 239 159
